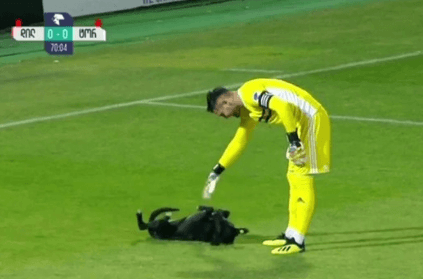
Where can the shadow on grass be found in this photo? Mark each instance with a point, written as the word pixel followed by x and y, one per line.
pixel 294 266
pixel 410 237
pixel 367 245
pixel 368 231
pixel 253 239
pixel 242 239
pixel 226 266
pixel 368 242
pixel 349 243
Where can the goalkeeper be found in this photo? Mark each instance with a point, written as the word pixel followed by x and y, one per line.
pixel 307 127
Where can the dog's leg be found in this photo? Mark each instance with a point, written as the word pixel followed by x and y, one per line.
pixel 141 225
pixel 205 208
pixel 159 211
pixel 225 213
pixel 217 218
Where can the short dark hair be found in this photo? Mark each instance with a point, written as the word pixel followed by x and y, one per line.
pixel 212 97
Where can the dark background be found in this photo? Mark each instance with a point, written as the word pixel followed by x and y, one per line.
pixel 29 11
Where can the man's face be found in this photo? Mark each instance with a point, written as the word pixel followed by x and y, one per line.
pixel 226 106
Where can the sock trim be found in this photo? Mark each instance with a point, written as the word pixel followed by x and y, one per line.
pixel 293 233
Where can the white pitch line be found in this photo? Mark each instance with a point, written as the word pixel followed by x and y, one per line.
pixel 252 70
pixel 384 120
pixel 168 97
pixel 65 115
pixel 175 105
pixel 339 67
pixel 98 109
pixel 354 118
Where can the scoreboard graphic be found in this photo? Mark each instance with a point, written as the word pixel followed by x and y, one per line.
pixel 58 33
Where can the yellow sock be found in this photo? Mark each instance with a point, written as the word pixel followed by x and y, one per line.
pixel 301 202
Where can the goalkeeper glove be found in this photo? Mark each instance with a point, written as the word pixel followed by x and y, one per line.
pixel 212 180
pixel 296 152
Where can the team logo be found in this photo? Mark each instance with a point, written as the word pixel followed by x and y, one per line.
pixel 255 96
pixel 57 18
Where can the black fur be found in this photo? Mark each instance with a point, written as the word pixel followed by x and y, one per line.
pixel 207 225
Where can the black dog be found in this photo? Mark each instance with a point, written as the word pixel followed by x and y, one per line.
pixel 207 225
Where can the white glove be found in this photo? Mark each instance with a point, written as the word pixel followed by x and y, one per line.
pixel 210 185
pixel 297 154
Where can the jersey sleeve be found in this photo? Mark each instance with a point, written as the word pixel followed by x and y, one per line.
pixel 238 143
pixel 282 108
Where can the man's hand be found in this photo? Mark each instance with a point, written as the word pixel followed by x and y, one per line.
pixel 296 153
pixel 210 185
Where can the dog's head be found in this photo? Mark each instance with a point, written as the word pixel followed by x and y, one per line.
pixel 227 231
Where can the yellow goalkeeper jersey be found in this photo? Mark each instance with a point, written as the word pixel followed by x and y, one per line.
pixel 275 102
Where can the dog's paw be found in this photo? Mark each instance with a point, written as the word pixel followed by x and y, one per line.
pixel 243 231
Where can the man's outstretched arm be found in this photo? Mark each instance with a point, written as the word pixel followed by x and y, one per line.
pixel 232 152
pixel 238 144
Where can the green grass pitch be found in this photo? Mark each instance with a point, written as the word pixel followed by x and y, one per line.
pixel 70 187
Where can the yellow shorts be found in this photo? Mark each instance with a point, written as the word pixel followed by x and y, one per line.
pixel 315 135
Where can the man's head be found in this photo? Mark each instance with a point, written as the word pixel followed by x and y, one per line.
pixel 223 102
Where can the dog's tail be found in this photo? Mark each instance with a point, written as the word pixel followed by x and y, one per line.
pixel 243 231
pixel 159 211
